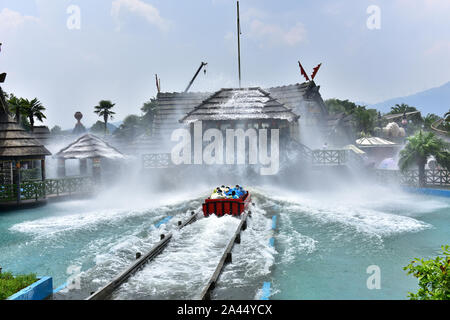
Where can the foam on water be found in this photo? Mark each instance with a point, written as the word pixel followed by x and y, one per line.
pixel 185 265
pixel 361 215
pixel 252 260
pixel 101 213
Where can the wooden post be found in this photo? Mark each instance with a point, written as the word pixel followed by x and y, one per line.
pixel 43 169
pixel 16 180
pixel 83 167
pixel 61 168
pixel 96 170
pixel 239 43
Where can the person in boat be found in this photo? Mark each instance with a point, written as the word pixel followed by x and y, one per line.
pixel 218 194
pixel 240 191
pixel 233 195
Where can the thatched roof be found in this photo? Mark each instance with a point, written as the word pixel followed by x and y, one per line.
pixel 303 98
pixel 87 147
pixel 41 133
pixel 374 142
pixel 240 105
pixel 15 142
pixel 171 108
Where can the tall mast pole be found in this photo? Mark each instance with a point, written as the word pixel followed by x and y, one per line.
pixel 239 43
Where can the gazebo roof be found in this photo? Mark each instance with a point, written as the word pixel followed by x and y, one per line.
pixel 89 146
pixel 374 142
pixel 15 141
pixel 240 105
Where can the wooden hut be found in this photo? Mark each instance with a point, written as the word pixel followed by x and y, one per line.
pixel 20 153
pixel 42 134
pixel 378 149
pixel 87 147
pixel 243 109
pixel 302 99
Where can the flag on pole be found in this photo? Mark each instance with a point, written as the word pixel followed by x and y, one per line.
pixel 303 71
pixel 316 69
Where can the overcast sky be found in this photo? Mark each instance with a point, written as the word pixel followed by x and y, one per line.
pixel 121 44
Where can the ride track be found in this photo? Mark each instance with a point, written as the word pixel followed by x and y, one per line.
pixel 107 291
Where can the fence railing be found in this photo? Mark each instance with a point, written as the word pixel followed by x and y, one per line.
pixel 433 178
pixel 35 190
pixel 30 174
pixel 314 157
pixel 329 157
pixel 156 161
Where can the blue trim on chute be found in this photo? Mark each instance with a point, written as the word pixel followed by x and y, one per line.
pixel 61 287
pixel 266 291
pixel 274 222
pixel 429 191
pixel 163 221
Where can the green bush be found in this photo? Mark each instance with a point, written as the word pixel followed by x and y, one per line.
pixel 10 285
pixel 433 275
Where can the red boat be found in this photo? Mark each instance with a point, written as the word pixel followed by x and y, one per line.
pixel 221 207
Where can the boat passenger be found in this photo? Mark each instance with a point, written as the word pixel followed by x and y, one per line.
pixel 234 195
pixel 218 195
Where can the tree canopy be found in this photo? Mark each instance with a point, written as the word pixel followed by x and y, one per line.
pixel 421 146
pixel 103 109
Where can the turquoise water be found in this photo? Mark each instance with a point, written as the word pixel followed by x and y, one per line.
pixel 324 243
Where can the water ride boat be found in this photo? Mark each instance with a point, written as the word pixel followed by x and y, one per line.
pixel 227 206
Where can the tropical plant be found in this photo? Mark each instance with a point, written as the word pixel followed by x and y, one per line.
pixel 149 109
pixel 98 127
pixel 417 150
pixel 430 119
pixel 433 275
pixel 402 108
pixel 130 128
pixel 104 110
pixel 10 285
pixel 33 109
pixel 56 130
pixel 363 120
pixel 15 106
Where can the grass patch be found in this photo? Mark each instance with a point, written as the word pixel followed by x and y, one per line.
pixel 10 285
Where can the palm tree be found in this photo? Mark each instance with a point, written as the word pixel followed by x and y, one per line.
pixel 16 106
pixel 149 109
pixel 33 109
pixel 419 148
pixel 104 110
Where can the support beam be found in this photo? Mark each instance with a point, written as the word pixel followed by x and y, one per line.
pixel 61 168
pixel 83 167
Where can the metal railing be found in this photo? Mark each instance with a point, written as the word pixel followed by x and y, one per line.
pixel 433 178
pixel 156 161
pixel 35 190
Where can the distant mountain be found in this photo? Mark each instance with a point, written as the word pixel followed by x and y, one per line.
pixel 435 100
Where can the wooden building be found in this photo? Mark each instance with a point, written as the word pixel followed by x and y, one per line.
pixel 287 107
pixel 20 152
pixel 87 148
pixel 243 109
pixel 42 134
